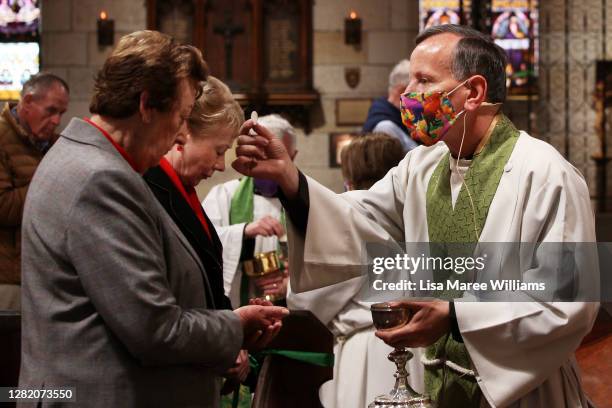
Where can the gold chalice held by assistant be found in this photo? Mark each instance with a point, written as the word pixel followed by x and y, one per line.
pixel 388 317
pixel 263 263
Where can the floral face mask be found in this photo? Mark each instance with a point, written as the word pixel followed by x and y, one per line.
pixel 428 115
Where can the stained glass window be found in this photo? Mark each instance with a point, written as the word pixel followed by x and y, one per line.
pixel 513 24
pixel 18 18
pixel 19 45
pixel 438 12
pixel 515 29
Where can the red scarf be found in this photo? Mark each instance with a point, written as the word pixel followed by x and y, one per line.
pixel 188 193
pixel 120 149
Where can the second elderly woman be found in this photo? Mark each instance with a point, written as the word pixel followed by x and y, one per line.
pixel 213 125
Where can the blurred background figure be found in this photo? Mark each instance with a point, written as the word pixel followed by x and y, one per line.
pixel 367 159
pixel 361 368
pixel 27 130
pixel 384 114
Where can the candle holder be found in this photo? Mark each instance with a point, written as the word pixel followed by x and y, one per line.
pixel 106 30
pixel 352 30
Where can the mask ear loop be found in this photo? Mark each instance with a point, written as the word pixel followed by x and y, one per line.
pixel 463 180
pixel 458 86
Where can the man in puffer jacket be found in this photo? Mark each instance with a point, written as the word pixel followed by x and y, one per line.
pixel 27 130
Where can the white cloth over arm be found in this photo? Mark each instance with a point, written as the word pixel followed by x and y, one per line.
pixel 361 369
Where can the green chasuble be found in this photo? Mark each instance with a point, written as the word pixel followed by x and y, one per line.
pixel 461 225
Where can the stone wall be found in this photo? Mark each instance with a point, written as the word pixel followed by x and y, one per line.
pixel 574 34
pixel 389 26
pixel 70 45
pixel 572 39
pixel 389 29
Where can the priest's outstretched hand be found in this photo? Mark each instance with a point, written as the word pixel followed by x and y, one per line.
pixel 260 324
pixel 429 321
pixel 261 155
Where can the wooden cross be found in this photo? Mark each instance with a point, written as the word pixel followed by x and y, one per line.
pixel 228 31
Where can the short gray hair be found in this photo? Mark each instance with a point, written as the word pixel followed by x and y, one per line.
pixel 475 54
pixel 279 127
pixel 400 74
pixel 41 82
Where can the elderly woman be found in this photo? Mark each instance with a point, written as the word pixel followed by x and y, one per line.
pixel 116 303
pixel 211 129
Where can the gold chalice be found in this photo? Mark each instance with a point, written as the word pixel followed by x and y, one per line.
pixel 264 263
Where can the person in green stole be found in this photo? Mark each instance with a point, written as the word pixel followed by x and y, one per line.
pixel 249 219
pixel 485 182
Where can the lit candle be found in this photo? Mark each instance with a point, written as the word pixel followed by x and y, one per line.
pixel 352 29
pixel 106 30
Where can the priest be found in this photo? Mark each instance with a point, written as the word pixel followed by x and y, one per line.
pixel 475 179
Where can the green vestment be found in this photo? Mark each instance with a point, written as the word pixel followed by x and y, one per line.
pixel 454 232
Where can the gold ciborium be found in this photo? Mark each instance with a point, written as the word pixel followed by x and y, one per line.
pixel 388 317
pixel 263 263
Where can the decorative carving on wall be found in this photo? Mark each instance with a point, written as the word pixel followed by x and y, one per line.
pixel 573 36
pixel 261 49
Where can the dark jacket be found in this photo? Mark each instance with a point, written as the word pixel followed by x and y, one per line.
pixel 380 110
pixel 210 252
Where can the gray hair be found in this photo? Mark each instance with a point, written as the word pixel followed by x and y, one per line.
pixel 400 74
pixel 475 54
pixel 279 126
pixel 41 82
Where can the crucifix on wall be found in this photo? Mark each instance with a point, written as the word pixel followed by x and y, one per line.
pixel 228 30
pixel 262 49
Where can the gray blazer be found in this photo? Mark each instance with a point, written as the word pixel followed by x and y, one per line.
pixel 114 297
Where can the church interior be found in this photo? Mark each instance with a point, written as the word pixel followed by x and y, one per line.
pixel 320 64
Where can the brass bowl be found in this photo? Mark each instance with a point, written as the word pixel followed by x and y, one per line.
pixel 387 317
pixel 262 264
